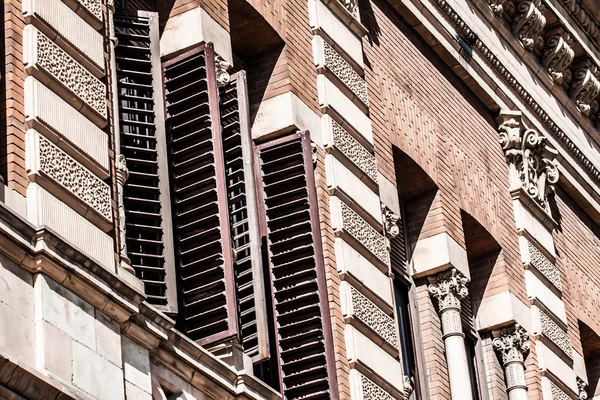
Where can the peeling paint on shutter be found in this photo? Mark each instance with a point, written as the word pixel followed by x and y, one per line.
pixel 143 143
pixel 243 217
pixel 207 299
pixel 297 275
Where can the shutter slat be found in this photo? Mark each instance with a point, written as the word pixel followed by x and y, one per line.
pixel 198 189
pixel 143 143
pixel 297 275
pixel 243 216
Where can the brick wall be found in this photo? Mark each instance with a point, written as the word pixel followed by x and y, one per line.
pixel 12 133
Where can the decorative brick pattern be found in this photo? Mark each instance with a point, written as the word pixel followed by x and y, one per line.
pixel 556 334
pixel 372 391
pixel 93 6
pixel 63 169
pixel 345 73
pixel 364 233
pixel 354 151
pixel 373 317
pixel 71 74
pixel 558 393
pixel 541 263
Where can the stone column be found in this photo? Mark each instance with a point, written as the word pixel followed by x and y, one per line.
pixel 449 288
pixel 122 173
pixel 512 346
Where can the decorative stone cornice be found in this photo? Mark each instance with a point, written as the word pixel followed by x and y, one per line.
pixel 221 67
pixel 449 288
pixel 390 222
pixel 512 344
pixel 558 54
pixel 586 86
pixel 531 160
pixel 529 22
pixel 581 387
pixel 585 20
pixel 488 55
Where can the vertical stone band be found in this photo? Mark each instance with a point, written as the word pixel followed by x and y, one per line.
pixel 512 345
pixel 121 175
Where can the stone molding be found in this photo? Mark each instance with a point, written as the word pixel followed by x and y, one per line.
pixel 94 7
pixel 555 333
pixel 558 54
pixel 531 161
pixel 477 44
pixel 529 22
pixel 390 222
pixel 335 63
pixel 373 317
pixel 42 53
pixel 586 86
pixel 360 230
pixel 543 265
pixel 355 152
pixel 74 177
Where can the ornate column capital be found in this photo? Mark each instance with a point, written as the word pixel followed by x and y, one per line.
pixel 512 344
pixel 531 159
pixel 449 288
pixel 558 54
pixel 390 222
pixel 221 67
pixel 585 87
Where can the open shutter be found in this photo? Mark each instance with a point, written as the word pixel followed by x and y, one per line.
pixel 297 275
pixel 207 300
pixel 243 216
pixel 143 143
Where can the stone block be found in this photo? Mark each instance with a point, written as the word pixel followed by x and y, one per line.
pixel 96 375
pixel 133 392
pixel 538 290
pixel 436 254
pixel 285 113
pixel 503 309
pixel 526 221
pixel 388 193
pixel 108 338
pixel 191 28
pixel 16 287
pixel 55 351
pixel 17 336
pixel 549 361
pixel 136 364
pixel 65 310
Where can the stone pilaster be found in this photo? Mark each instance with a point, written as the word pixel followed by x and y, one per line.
pixel 122 173
pixel 512 346
pixel 449 288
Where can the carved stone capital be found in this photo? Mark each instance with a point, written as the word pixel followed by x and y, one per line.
pixel 449 288
pixel 581 387
pixel 558 54
pixel 390 222
pixel 408 386
pixel 586 85
pixel 512 344
pixel 532 161
pixel 122 173
pixel 221 67
pixel 529 22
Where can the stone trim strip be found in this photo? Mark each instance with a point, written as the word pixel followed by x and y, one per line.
pixel 343 141
pixel 372 316
pixel 335 63
pixel 472 38
pixel 54 61
pixel 543 265
pixel 74 177
pixel 361 231
pixel 555 333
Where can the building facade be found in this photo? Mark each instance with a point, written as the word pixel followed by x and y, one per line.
pixel 300 199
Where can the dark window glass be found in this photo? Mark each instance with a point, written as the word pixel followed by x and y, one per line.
pixel 407 352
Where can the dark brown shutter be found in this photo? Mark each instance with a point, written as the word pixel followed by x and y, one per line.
pixel 297 275
pixel 142 142
pixel 245 230
pixel 207 300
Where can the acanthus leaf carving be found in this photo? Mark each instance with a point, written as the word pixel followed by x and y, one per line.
pixel 498 6
pixel 558 54
pixel 390 222
pixel 586 86
pixel 449 288
pixel 221 67
pixel 529 22
pixel 512 344
pixel 532 161
pixel 581 387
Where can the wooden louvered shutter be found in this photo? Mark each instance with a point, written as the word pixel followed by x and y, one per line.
pixel 243 217
pixel 207 300
pixel 143 143
pixel 297 275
